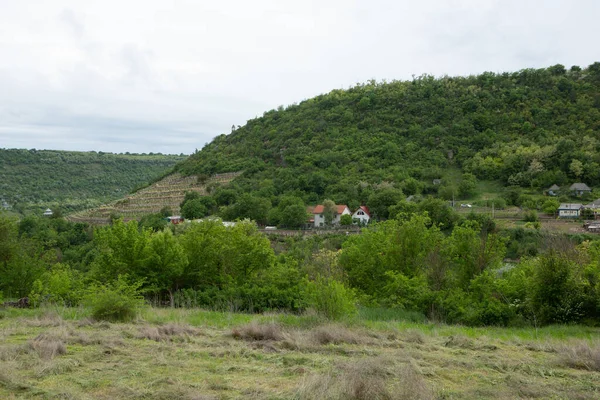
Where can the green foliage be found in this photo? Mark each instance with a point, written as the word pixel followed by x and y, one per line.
pixel 531 216
pixel 330 298
pixel 78 180
pixel 60 285
pixel 550 206
pixel 346 220
pixel 119 301
pixel 380 202
pixel 193 209
pixel 556 295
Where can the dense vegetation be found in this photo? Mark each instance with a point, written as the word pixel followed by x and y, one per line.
pixel 32 180
pixel 406 263
pixel 530 128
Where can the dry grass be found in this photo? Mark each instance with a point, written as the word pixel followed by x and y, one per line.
pixel 188 355
pixel 366 380
pixel 47 319
pixel 167 332
pixel 581 355
pixel 256 331
pixel 336 334
pixel 47 347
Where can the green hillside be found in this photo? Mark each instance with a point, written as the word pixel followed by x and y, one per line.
pixel 32 180
pixel 530 128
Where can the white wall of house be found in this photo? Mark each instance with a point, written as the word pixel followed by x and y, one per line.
pixel 568 213
pixel 362 217
pixel 320 218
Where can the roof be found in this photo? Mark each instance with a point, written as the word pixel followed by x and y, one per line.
pixel 579 186
pixel 365 209
pixel 593 204
pixel 554 187
pixel 319 209
pixel 570 206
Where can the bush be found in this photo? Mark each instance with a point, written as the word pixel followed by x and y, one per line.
pixel 531 216
pixel 330 298
pixel 119 301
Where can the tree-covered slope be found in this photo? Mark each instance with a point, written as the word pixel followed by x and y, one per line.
pixel 31 180
pixel 534 127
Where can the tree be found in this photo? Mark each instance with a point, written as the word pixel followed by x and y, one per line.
pixel 576 168
pixel 165 264
pixel 329 211
pixel 380 201
pixel 294 216
pixel 193 209
pixel 346 220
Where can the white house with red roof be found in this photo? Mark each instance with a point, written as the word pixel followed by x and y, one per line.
pixel 319 216
pixel 362 216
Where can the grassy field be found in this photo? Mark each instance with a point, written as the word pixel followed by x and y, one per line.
pixel 195 354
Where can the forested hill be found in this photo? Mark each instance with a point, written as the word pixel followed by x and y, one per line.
pixel 32 180
pixel 534 127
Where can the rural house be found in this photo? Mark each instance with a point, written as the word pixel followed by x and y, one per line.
pixel 595 207
pixel 569 210
pixel 48 212
pixel 319 216
pixel 579 189
pixel 362 215
pixel 553 190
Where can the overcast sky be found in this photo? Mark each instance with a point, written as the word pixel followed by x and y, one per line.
pixel 168 76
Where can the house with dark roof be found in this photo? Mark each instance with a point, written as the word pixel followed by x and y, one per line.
pixel 569 210
pixel 579 189
pixel 553 190
pixel 319 214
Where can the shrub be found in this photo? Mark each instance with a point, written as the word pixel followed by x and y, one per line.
pixel 531 216
pixel 119 301
pixel 330 298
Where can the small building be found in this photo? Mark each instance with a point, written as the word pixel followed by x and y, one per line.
pixel 48 212
pixel 595 228
pixel 579 189
pixel 362 216
pixel 175 219
pixel 437 182
pixel 569 210
pixel 595 207
pixel 319 216
pixel 553 190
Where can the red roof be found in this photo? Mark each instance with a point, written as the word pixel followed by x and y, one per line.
pixel 319 209
pixel 365 209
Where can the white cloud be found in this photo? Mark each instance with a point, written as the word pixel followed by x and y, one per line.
pixel 134 75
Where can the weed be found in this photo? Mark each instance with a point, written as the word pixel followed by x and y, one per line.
pixel 413 336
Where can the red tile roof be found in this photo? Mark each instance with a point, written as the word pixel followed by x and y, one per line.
pixel 366 210
pixel 319 209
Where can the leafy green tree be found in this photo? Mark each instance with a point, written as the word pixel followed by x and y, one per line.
pixel 346 220
pixel 165 265
pixel 193 209
pixel 380 202
pixel 294 215
pixel 329 211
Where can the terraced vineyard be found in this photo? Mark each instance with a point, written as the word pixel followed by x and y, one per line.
pixel 168 192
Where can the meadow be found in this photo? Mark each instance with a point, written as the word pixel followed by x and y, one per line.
pixel 61 353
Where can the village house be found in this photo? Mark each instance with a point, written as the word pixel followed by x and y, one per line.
pixel 362 216
pixel 48 212
pixel 319 216
pixel 175 219
pixel 569 210
pixel 595 207
pixel 579 189
pixel 553 190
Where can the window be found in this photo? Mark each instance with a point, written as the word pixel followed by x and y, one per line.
pixel 360 213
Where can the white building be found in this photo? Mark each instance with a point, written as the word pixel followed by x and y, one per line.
pixel 569 210
pixel 319 216
pixel 48 212
pixel 362 216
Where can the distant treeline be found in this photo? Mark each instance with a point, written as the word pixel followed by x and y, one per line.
pixel 32 180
